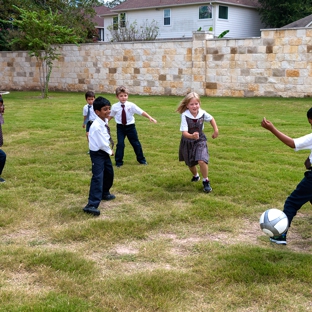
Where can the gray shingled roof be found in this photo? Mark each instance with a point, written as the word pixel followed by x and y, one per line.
pixel 145 4
pixel 303 22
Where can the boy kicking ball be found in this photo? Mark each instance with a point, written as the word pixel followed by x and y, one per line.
pixel 303 192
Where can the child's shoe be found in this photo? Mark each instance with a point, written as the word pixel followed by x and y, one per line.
pixel 92 210
pixel 207 187
pixel 195 178
pixel 280 240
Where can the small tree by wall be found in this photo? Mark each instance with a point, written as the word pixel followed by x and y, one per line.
pixel 43 37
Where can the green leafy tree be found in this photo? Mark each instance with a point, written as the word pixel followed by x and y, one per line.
pixel 277 13
pixel 113 3
pixel 42 36
pixel 73 14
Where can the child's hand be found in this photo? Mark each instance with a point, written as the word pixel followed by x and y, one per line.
pixel 215 134
pixel 195 135
pixel 83 125
pixel 152 120
pixel 266 124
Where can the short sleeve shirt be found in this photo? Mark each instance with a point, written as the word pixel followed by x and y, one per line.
pixel 187 113
pixel 304 143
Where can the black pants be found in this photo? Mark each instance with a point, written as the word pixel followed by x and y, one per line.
pixel 102 177
pixel 2 160
pixel 132 135
pixel 301 195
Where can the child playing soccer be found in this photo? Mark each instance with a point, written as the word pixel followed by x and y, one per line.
pixel 123 112
pixel 193 146
pixel 303 192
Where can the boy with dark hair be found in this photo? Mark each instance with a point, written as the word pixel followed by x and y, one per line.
pixel 101 148
pixel 123 112
pixel 303 192
pixel 88 112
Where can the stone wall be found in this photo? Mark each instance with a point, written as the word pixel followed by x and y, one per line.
pixel 277 64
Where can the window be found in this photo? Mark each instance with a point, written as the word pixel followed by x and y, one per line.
pixel 167 13
pixel 122 19
pixel 100 34
pixel 205 11
pixel 223 12
pixel 115 22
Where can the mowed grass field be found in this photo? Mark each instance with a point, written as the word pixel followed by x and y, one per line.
pixel 162 244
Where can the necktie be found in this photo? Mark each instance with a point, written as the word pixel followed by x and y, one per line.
pixel 123 115
pixel 110 138
pixel 88 115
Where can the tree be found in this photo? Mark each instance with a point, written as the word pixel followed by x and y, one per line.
pixel 42 36
pixel 277 13
pixel 73 14
pixel 113 3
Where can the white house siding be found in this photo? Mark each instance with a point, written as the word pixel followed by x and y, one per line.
pixel 242 23
pixel 184 20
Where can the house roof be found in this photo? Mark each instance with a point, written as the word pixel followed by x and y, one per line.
pixel 148 4
pixel 97 19
pixel 303 22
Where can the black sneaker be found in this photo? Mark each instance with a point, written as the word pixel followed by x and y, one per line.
pixel 280 240
pixel 195 179
pixel 2 180
pixel 207 187
pixel 109 197
pixel 92 210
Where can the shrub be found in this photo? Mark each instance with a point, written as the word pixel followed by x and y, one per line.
pixel 133 32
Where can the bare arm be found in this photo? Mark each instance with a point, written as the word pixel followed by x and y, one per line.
pixel 280 135
pixel 151 119
pixel 215 128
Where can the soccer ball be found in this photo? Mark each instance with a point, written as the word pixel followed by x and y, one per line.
pixel 273 222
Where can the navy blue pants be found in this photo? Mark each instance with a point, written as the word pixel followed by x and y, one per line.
pixel 102 177
pixel 2 160
pixel 301 195
pixel 132 135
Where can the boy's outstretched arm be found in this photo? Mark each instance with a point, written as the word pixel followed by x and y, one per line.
pixel 151 119
pixel 280 135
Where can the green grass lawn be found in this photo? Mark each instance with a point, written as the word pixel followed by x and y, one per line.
pixel 162 244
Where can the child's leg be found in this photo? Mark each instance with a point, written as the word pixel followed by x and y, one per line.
pixel 194 171
pixel 108 176
pixel 96 185
pixel 203 169
pixel 120 147
pixel 134 141
pixel 2 160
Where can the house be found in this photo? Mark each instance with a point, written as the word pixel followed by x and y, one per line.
pixel 180 18
pixel 99 22
pixel 305 22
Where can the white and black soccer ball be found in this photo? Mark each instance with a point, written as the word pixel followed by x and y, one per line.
pixel 273 222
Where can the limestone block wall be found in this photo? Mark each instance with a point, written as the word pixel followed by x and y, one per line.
pixel 276 64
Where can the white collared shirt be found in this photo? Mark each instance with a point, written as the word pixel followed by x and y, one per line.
pixel 130 109
pixel 99 136
pixel 92 113
pixel 187 113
